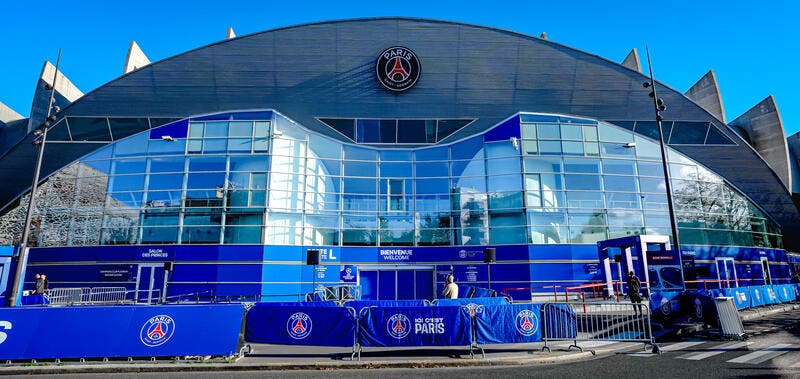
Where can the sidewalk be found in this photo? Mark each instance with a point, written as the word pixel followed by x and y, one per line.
pixel 280 357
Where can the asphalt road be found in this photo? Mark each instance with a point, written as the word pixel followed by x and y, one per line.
pixel 773 350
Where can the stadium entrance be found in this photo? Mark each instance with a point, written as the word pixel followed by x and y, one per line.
pixel 396 282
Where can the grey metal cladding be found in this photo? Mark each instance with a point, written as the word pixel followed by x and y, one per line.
pixel 793 144
pixel 468 71
pixel 764 127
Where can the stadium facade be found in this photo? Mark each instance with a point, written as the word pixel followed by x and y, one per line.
pixel 400 148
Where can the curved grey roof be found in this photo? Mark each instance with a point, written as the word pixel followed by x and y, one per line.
pixel 327 70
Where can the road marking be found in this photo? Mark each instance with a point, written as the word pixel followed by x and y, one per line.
pixel 670 347
pixel 715 351
pixel 759 356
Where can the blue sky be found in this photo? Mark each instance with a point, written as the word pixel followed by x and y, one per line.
pixel 751 46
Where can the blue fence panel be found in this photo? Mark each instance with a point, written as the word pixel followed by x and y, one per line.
pixel 741 297
pixel 665 305
pixel 517 323
pixel 415 326
pixel 700 305
pixel 474 300
pixel 770 295
pixel 756 296
pixel 300 325
pixel 360 304
pixel 119 331
pixel 784 291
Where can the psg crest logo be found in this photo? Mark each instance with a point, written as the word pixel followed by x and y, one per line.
pixel 157 330
pixel 298 326
pixel 526 322
pixel 398 68
pixel 398 326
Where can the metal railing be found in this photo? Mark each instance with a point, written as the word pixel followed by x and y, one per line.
pixel 597 321
pixel 95 296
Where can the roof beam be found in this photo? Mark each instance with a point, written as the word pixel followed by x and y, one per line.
pixel 707 95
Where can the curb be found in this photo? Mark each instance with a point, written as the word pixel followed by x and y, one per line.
pixel 218 367
pixel 747 316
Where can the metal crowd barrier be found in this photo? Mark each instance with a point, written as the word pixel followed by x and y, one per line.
pixel 596 321
pixel 87 296
pixel 63 296
pixel 729 321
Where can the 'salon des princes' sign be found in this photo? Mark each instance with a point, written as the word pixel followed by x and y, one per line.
pixel 398 68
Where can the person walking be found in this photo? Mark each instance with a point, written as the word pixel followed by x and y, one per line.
pixel 634 286
pixel 450 288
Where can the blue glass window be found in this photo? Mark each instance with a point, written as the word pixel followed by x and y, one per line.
pixel 430 169
pixel 587 166
pixel 585 199
pixel 431 154
pixel 396 170
pixel 368 169
pixel 432 186
pixel 501 183
pixel 550 147
pixel 549 131
pixel 206 164
pixel 360 153
pixel 620 183
pixel 165 182
pixel 503 166
pixel 582 182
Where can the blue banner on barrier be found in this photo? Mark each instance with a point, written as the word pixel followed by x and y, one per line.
pixel 756 296
pixel 741 297
pixel 119 331
pixel 701 306
pixel 358 305
pixel 300 325
pixel 473 300
pixel 770 296
pixel 665 305
pixel 784 293
pixel 415 326
pixel 517 323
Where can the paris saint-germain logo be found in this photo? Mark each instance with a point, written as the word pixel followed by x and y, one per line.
pixel 398 326
pixel 526 322
pixel 398 68
pixel 298 326
pixel 157 330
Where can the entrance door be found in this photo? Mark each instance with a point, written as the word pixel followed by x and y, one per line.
pixel 149 283
pixel 726 273
pixel 396 282
pixel 765 269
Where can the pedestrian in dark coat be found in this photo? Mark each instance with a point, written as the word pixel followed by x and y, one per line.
pixel 634 286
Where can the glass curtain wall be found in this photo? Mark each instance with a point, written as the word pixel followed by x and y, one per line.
pixel 270 181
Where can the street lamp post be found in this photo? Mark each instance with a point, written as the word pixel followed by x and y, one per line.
pixel 658 107
pixel 41 137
